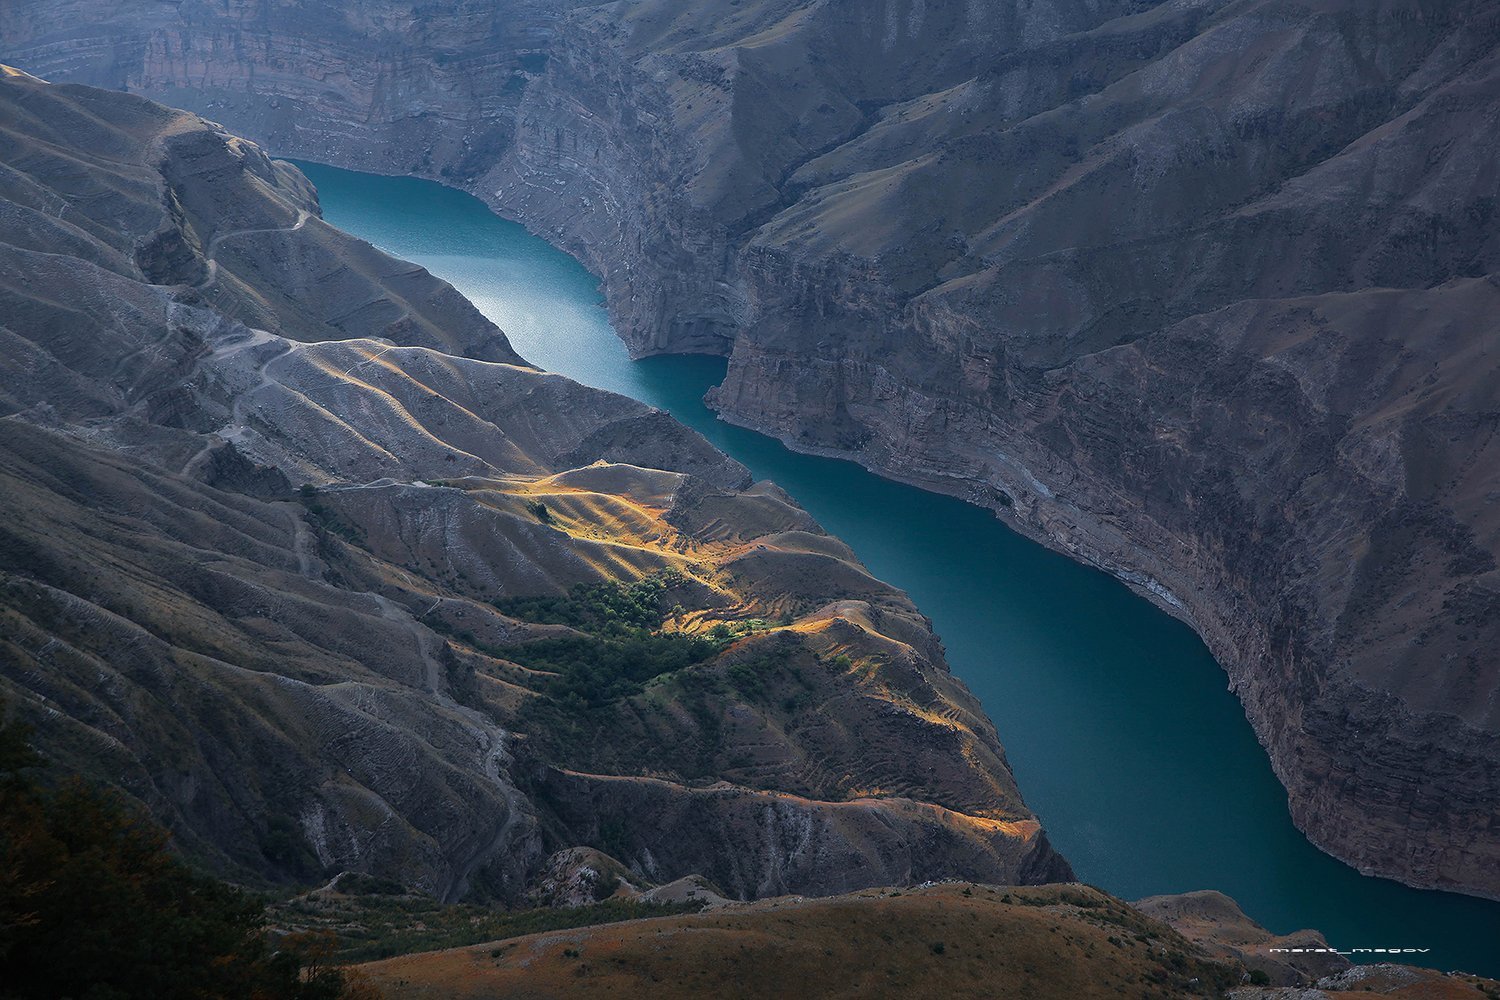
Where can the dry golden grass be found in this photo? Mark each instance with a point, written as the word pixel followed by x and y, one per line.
pixel 942 941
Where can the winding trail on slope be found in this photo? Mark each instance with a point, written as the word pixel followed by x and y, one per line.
pixel 302 216
pixel 301 540
pixel 491 737
pixel 494 754
pixel 211 273
pixel 235 427
pixel 257 336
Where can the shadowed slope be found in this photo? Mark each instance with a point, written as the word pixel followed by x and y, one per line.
pixel 303 681
pixel 989 248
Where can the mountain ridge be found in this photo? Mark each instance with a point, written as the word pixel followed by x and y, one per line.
pixel 976 248
pixel 290 526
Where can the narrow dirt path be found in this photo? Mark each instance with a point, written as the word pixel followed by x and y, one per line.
pixel 211 274
pixel 491 736
pixel 301 540
pixel 213 244
pixel 494 757
pixel 236 425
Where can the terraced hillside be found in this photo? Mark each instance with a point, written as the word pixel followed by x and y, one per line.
pixel 299 554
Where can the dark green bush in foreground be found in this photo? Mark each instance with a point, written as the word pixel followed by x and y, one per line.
pixel 94 907
pixel 373 928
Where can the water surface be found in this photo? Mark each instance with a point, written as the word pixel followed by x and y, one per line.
pixel 1117 721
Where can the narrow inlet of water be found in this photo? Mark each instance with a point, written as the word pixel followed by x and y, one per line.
pixel 1117 721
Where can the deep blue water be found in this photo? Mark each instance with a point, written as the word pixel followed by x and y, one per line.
pixel 1117 721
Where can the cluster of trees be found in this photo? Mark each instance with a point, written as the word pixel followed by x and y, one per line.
pixel 93 906
pixel 593 672
pixel 606 608
pixel 622 650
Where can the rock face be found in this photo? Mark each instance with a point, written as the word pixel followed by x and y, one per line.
pixel 388 668
pixel 1201 292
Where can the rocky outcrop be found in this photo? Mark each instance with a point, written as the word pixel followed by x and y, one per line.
pixel 369 672
pixel 1198 292
pixel 1215 923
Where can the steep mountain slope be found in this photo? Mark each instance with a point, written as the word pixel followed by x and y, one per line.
pixel 303 557
pixel 1200 291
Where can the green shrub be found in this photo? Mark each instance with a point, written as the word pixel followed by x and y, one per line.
pixel 606 608
pixel 593 671
pixel 748 678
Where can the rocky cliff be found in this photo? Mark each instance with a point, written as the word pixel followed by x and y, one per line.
pixel 299 554
pixel 1201 292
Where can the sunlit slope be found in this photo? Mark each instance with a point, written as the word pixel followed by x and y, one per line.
pixel 1065 942
pixel 944 941
pixel 304 558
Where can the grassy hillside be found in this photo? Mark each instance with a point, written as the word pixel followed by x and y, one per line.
pixel 945 940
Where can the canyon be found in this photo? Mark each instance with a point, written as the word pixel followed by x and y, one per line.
pixel 1200 292
pixel 302 558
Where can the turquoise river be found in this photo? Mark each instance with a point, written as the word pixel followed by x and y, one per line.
pixel 1117 721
